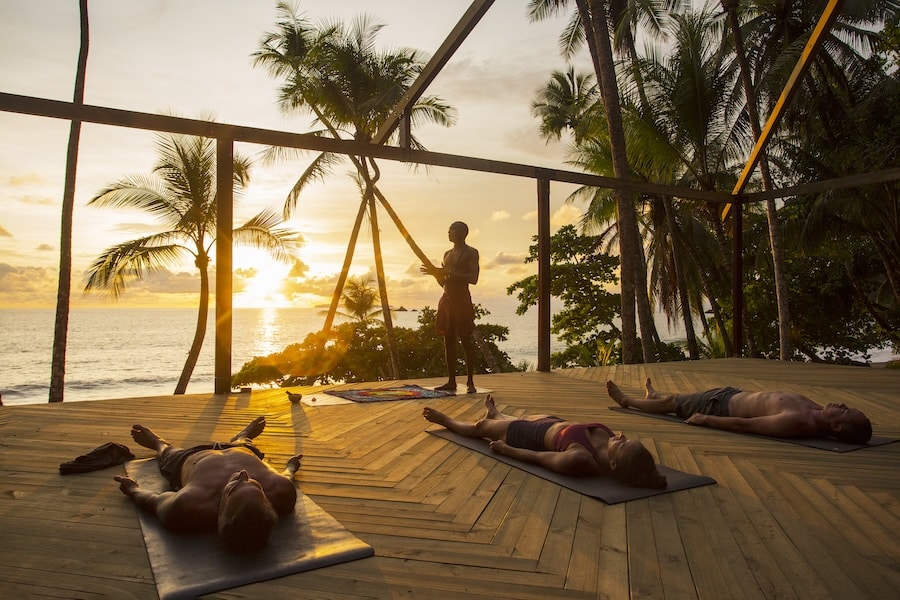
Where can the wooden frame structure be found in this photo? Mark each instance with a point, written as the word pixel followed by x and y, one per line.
pixel 226 135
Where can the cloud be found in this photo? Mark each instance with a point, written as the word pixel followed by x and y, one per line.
pixel 503 259
pixel 4 232
pixel 20 286
pixel 567 214
pixel 500 215
pixel 45 248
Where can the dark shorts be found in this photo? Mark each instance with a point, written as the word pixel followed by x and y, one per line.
pixel 711 402
pixel 172 459
pixel 455 315
pixel 530 434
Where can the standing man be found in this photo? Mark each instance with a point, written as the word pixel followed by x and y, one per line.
pixel 455 313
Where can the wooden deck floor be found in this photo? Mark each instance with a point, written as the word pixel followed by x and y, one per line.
pixel 784 521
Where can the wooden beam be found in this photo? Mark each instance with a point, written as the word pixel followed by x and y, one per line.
pixel 452 42
pixel 850 181
pixel 123 118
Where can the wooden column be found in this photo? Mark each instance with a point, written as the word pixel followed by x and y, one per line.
pixel 224 225
pixel 543 210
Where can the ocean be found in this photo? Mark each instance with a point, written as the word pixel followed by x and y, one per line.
pixel 130 352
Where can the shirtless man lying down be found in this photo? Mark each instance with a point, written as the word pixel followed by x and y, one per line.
pixel 770 413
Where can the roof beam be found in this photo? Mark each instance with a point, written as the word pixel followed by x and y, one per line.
pixel 430 71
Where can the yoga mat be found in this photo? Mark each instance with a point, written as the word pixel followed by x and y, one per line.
pixel 188 565
pixel 404 392
pixel 820 443
pixel 606 489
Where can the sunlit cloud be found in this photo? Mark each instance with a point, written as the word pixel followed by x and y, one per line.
pixel 4 232
pixel 500 215
pixel 567 214
pixel 45 248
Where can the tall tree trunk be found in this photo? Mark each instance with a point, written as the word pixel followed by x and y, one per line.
pixel 775 237
pixel 633 291
pixel 202 263
pixel 687 317
pixel 61 328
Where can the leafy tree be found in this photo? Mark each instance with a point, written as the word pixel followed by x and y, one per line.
pixel 579 274
pixel 360 299
pixel 182 195
pixel 335 72
pixel 356 351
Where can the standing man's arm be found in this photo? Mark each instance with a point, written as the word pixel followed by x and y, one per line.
pixel 468 269
pixel 437 272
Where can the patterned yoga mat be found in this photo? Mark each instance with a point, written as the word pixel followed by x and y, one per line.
pixel 404 392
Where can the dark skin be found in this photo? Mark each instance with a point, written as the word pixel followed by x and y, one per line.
pixel 575 459
pixel 459 270
pixel 771 413
pixel 209 475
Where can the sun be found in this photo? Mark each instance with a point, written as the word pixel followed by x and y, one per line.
pixel 259 281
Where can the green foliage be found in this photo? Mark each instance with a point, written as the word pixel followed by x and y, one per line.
pixel 580 270
pixel 357 351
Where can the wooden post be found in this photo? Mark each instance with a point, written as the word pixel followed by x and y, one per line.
pixel 543 272
pixel 224 225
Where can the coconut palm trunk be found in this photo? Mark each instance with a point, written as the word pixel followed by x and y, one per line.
pixel 61 327
pixel 775 238
pixel 633 290
pixel 202 263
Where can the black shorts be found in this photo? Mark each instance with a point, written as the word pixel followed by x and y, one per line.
pixel 711 402
pixel 530 434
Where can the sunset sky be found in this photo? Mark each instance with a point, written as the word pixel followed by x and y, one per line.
pixel 193 59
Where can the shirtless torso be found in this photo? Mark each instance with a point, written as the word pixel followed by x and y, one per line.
pixel 204 475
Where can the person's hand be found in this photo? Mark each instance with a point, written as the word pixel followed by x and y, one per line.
pixel 126 484
pixel 498 446
pixel 696 419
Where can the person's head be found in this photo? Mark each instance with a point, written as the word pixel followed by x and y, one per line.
pixel 246 517
pixel 632 464
pixel 458 231
pixel 847 424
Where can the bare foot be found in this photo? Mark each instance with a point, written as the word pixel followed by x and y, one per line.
pixel 293 464
pixel 450 386
pixel 253 429
pixel 147 438
pixel 650 392
pixel 470 388
pixel 616 394
pixel 435 416
pixel 490 407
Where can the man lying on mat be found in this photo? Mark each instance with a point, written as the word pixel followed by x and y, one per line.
pixel 217 486
pixel 774 414
pixel 565 447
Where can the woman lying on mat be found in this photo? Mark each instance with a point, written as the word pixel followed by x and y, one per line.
pixel 578 449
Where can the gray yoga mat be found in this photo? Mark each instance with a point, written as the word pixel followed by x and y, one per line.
pixel 606 489
pixel 189 565
pixel 820 443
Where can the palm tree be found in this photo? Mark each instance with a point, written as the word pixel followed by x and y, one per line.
pixel 336 73
pixel 61 328
pixel 595 24
pixel 775 238
pixel 182 194
pixel 360 299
